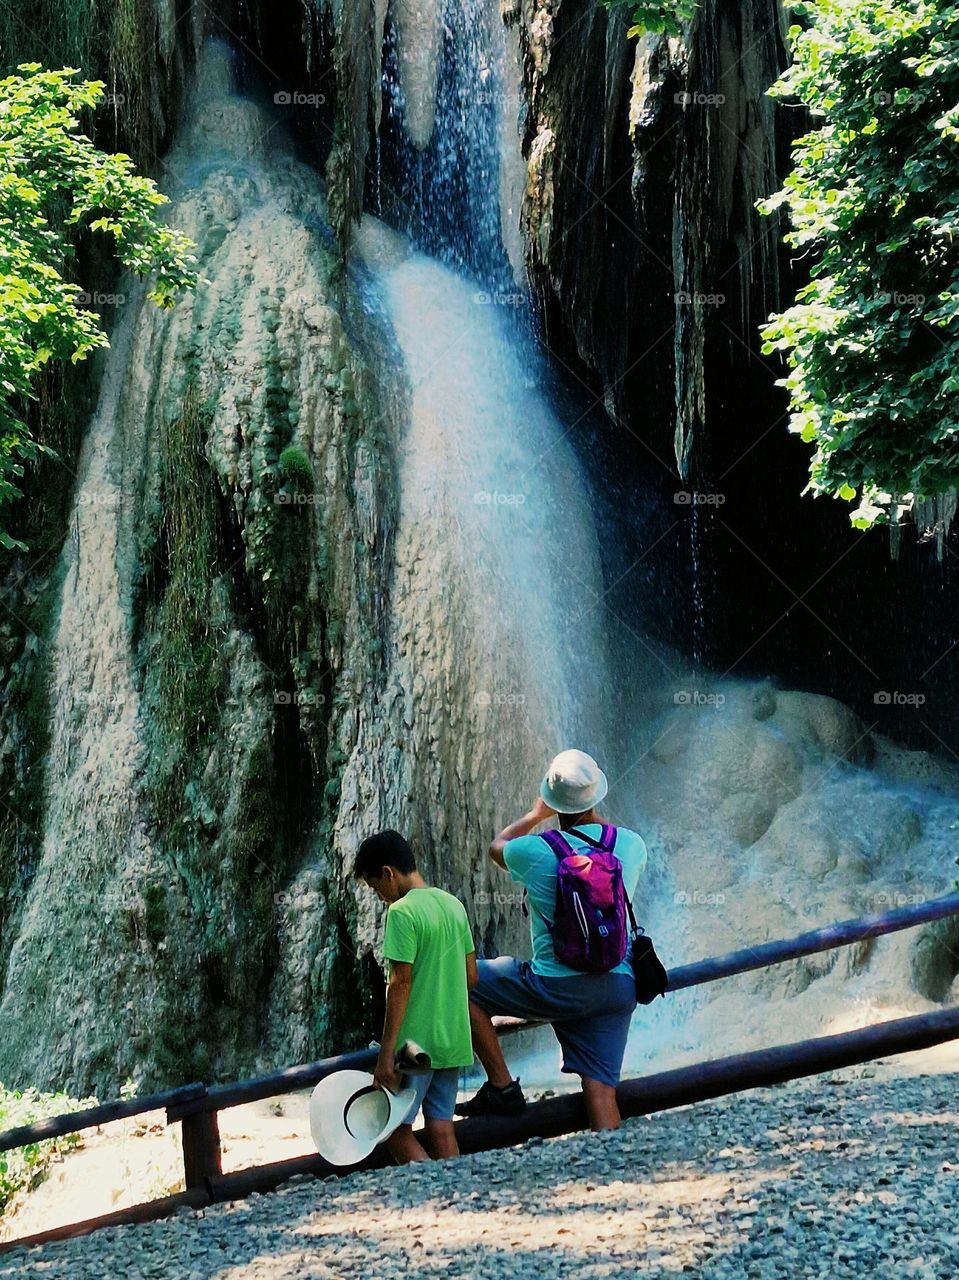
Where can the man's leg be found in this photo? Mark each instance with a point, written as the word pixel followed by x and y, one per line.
pixel 486 1044
pixel 441 1139
pixel 593 1047
pixel 601 1105
pixel 404 1147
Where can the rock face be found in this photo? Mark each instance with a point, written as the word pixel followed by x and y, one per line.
pixel 220 617
pixel 645 160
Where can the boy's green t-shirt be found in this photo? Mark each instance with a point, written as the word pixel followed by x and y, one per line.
pixel 429 929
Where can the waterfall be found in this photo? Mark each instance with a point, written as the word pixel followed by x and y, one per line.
pixel 492 505
pixel 332 567
pixel 497 613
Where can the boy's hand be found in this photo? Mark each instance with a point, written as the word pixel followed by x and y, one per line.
pixel 385 1074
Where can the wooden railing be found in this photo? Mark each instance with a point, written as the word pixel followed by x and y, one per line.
pixel 196 1106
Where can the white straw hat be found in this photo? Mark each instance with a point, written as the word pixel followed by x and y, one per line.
pixel 574 782
pixel 350 1115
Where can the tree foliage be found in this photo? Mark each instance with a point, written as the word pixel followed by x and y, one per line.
pixel 872 341
pixel 53 182
pixel 661 17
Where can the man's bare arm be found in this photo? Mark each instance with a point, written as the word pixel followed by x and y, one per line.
pixel 540 812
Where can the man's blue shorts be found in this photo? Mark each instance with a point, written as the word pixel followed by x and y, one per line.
pixel 435 1093
pixel 589 1012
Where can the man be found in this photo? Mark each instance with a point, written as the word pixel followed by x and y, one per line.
pixel 590 1012
pixel 432 965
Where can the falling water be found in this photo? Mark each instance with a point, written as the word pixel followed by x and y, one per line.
pixel 492 503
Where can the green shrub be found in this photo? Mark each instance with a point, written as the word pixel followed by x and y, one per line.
pixel 662 17
pixel 26 1167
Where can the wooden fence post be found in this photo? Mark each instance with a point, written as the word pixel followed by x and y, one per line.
pixel 201 1149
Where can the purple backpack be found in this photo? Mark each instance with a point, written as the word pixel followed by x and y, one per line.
pixel 589 924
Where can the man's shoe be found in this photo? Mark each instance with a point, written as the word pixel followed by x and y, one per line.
pixel 490 1101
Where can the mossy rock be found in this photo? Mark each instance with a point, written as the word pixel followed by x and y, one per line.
pixel 296 467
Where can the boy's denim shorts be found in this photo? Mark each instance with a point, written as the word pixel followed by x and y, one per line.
pixel 590 1012
pixel 435 1093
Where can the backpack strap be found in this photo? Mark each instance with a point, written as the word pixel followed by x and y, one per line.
pixel 558 843
pixel 606 841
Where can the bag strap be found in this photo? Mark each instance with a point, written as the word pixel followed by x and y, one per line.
pixel 607 843
pixel 558 843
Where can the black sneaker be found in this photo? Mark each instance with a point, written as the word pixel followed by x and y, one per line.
pixel 490 1101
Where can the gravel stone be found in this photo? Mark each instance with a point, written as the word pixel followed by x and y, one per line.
pixel 745 1188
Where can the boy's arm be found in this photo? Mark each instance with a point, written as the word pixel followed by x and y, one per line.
pixel 397 998
pixel 472 973
pixel 540 812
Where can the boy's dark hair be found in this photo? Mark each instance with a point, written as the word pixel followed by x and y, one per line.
pixel 385 849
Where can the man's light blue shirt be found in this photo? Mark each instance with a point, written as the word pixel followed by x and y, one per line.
pixel 532 863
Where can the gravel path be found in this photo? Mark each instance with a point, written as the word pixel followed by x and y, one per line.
pixel 839 1177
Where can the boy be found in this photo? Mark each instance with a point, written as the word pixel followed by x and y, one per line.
pixel 432 962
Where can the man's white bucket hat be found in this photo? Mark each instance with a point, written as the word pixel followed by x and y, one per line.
pixel 574 782
pixel 350 1115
